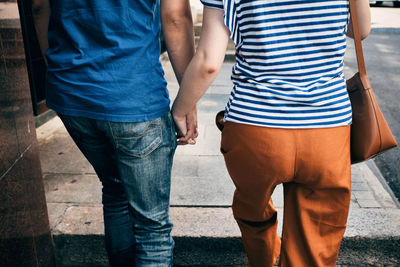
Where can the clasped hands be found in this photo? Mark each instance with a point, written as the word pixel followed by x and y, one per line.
pixel 186 126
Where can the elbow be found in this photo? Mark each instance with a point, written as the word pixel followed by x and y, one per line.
pixel 210 70
pixel 209 65
pixel 365 32
pixel 171 20
pixel 176 18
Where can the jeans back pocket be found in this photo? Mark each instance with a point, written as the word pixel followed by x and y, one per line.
pixel 137 139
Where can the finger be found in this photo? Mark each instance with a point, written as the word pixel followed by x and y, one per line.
pixel 191 126
pixel 195 123
pixel 182 142
pixel 196 132
pixel 185 138
pixel 188 142
pixel 180 127
pixel 192 141
pixel 181 131
pixel 190 134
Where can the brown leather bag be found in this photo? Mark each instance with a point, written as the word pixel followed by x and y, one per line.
pixel 219 119
pixel 370 134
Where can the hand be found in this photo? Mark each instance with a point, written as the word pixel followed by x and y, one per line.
pixel 186 127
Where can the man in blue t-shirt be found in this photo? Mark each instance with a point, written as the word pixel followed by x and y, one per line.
pixel 106 82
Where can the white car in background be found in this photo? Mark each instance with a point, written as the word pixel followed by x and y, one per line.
pixel 396 3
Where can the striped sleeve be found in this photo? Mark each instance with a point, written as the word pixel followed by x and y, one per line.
pixel 213 3
pixel 230 20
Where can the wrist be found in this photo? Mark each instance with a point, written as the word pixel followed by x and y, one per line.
pixel 176 113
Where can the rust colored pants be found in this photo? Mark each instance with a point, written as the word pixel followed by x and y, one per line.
pixel 314 167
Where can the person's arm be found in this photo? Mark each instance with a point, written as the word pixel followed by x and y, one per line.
pixel 205 65
pixel 364 19
pixel 178 33
pixel 41 15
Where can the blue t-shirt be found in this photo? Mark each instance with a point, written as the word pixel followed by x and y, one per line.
pixel 103 60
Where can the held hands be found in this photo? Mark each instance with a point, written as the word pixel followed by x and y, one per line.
pixel 186 126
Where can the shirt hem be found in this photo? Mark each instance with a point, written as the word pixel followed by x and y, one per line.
pixel 109 117
pixel 211 5
pixel 290 127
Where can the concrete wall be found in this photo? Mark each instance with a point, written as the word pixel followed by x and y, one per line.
pixel 25 238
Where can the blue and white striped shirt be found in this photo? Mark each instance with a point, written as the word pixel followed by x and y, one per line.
pixel 289 62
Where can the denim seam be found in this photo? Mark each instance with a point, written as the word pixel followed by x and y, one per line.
pixel 139 136
pixel 112 135
pixel 155 146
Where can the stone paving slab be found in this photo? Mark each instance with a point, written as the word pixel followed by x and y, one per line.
pixel 216 222
pixel 211 186
pixel 61 155
pixel 9 15
pixel 9 11
pixel 81 220
pixel 72 188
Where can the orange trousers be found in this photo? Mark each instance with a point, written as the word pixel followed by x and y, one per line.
pixel 314 167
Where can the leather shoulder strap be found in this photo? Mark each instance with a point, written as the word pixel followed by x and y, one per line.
pixel 358 45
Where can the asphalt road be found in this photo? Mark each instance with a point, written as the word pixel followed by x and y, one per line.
pixel 382 56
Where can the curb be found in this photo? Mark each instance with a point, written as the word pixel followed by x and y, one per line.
pixel 80 250
pixel 375 170
pixel 368 240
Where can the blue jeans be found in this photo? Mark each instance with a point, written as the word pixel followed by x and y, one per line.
pixel 133 161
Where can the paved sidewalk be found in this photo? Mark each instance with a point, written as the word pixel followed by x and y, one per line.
pixel 205 232
pixel 200 199
pixel 385 19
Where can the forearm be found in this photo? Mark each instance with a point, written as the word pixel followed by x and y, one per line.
pixel 178 34
pixel 195 83
pixel 41 15
pixel 206 64
pixel 364 19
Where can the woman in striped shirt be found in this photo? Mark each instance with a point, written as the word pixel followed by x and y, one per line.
pixel 286 121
